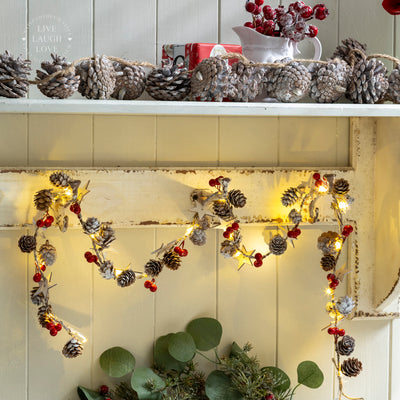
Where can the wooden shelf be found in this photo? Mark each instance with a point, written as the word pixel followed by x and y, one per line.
pixel 196 108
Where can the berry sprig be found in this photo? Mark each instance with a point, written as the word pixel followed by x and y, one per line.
pixel 151 285
pixel 279 22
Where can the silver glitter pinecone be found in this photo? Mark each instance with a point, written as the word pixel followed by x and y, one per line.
pixel 172 260
pixel 326 242
pixel 47 253
pixel 237 198
pixel 14 75
pixel 43 199
pixel 277 245
pixel 212 79
pixel 344 51
pixel 91 226
pixel 97 78
pixel 368 83
pixel 60 86
pixel 394 85
pixel 27 243
pixel 328 262
pixel 223 210
pixel 44 314
pixel 330 82
pixel 228 248
pixel 295 216
pixel 105 236
pixel 351 367
pixel 130 81
pixel 168 83
pixel 248 80
pixel 198 237
pixel 73 348
pixel 345 305
pixel 290 196
pixel 107 269
pixel 37 299
pixel 126 278
pixel 153 268
pixel 346 345
pixel 341 186
pixel 60 179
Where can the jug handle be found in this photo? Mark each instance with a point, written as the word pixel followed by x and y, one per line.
pixel 317 47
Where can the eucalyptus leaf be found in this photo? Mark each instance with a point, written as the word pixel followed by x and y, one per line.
pixel 280 377
pixel 117 362
pixel 147 384
pixel 206 332
pixel 309 374
pixel 219 387
pixel 163 359
pixel 181 346
pixel 87 394
pixel 237 351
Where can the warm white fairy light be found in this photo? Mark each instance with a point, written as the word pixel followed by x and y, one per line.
pixel 343 206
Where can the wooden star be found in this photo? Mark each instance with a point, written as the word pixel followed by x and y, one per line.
pixel 201 210
pixel 82 192
pixel 164 248
pixel 244 257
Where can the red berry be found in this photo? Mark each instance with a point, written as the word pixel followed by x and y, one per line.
pixel 298 6
pixel 258 256
pixel 321 12
pixel 334 284
pixel 58 327
pixel 269 25
pixel 103 390
pixel 95 259
pixel 47 223
pixel 341 332
pixel 250 7
pixel 249 25
pixel 88 254
pixel 317 176
pixel 147 284
pixel 297 231
pixel 235 226
pixel 257 11
pixel 40 223
pixel 153 280
pixel 258 263
pixel 37 277
pixel 331 330
pixel 53 332
pixel 269 12
pixel 330 277
pixel 177 250
pixel 259 2
pixel 347 230
pixel 269 396
pixel 258 21
pixel 212 182
pixel 312 31
pixel 43 268
pixel 226 234
pixel 75 208
pixel 50 218
pixel 292 234
pixel 184 253
pixel 49 325
pixel 92 259
pixel 153 288
pixel 260 29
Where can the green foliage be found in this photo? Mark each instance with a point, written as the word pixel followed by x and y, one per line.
pixel 162 359
pixel 117 362
pixel 219 387
pixel 181 346
pixel 147 384
pixel 309 374
pixel 125 392
pixel 279 377
pixel 87 394
pixel 206 332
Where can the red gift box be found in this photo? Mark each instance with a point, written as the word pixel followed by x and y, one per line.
pixel 191 54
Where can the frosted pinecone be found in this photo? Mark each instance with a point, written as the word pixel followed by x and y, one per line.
pixel 237 198
pixel 37 299
pixel 130 81
pixel 277 245
pixel 126 278
pixel 394 85
pixel 43 199
pixel 223 210
pixel 330 81
pixel 172 260
pixel 346 346
pixel 107 270
pixel 205 222
pixel 345 305
pixel 47 253
pixel 60 179
pixel 72 348
pixel 14 75
pixel 344 51
pixel 328 262
pixel 97 78
pixel 44 315
pixel 248 81
pixel 105 236
pixel 341 187
pixel 290 196
pixel 168 83
pixel 368 83
pixel 91 226
pixel 326 242
pixel 351 367
pixel 198 237
pixel 295 216
pixel 228 248
pixel 27 243
pixel 61 86
pixel 212 79
pixel 153 268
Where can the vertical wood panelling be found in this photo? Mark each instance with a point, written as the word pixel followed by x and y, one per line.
pixel 13 133
pixel 397 37
pixel 342 142
pixel 124 140
pixel 60 140
pixel 395 360
pixel 13 297
pixel 248 141
pixel 126 29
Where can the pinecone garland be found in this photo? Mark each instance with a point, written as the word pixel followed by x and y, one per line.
pixel 328 262
pixel 27 243
pixel 237 198
pixel 228 248
pixel 130 81
pixel 44 315
pixel 97 78
pixel 346 346
pixel 198 237
pixel 172 260
pixel 43 199
pixel 126 278
pixel 91 226
pixel 73 348
pixel 290 196
pixel 345 305
pixel 60 86
pixel 368 82
pixel 60 179
pixel 341 187
pixel 105 236
pixel 47 253
pixel 37 299
pixel 107 269
pixel 277 245
pixel 14 76
pixel 248 81
pixel 153 268
pixel 351 367
pixel 212 79
pixel 223 210
pixel 394 85
pixel 343 51
pixel 330 82
pixel 168 83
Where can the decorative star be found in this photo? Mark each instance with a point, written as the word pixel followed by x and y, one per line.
pixel 223 224
pixel 201 210
pixel 244 257
pixel 164 248
pixel 82 192
pixel 342 272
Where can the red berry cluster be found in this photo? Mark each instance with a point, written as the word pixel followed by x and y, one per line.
pixel 37 277
pixel 75 208
pixel 215 182
pixel 259 260
pixel 333 281
pixel 45 222
pixel 151 285
pixel 269 396
pixel 294 233
pixel 180 250
pixel 347 230
pixel 91 258
pixel 334 330
pixel 230 229
pixel 320 182
pixel 53 328
pixel 290 23
pixel 104 390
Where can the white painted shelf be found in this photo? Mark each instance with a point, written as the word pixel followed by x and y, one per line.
pixel 196 108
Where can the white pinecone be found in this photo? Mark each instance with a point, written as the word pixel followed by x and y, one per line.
pixel 14 75
pixel 105 236
pixel 73 348
pixel 91 226
pixel 277 245
pixel 228 248
pixel 43 199
pixel 237 198
pixel 126 278
pixel 47 253
pixel 290 196
pixel 60 179
pixel 247 80
pixel 345 305
pixel 130 81
pixel 37 299
pixel 107 270
pixel 44 314
pixel 326 242
pixel 198 237
pixel 295 216
pixel 153 268
pixel 394 85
